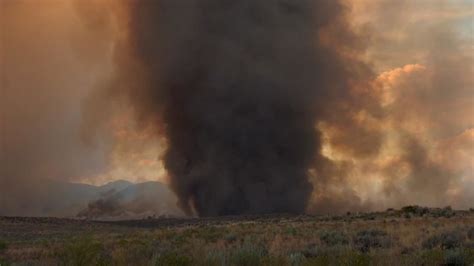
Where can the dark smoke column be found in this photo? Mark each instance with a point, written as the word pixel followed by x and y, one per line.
pixel 238 84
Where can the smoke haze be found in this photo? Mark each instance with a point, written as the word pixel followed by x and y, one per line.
pixel 46 67
pixel 240 106
pixel 422 128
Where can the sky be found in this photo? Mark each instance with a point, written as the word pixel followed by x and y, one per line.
pixel 61 119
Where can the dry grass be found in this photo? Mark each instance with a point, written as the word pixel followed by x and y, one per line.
pixel 407 237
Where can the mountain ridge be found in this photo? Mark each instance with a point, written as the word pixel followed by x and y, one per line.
pixel 54 198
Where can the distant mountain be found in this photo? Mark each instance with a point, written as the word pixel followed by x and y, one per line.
pixel 115 186
pixel 115 200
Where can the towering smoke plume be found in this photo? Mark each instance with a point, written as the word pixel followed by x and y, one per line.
pixel 323 106
pixel 239 85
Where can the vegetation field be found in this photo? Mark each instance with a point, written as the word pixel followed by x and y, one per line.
pixel 410 236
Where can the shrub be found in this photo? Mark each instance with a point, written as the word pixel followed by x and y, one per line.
pixel 415 210
pixel 274 260
pixel 3 246
pixel 370 217
pixel 230 237
pixel 448 212
pixel 291 231
pixel 455 257
pixel 346 257
pixel 368 239
pixel 172 259
pixel 470 233
pixel 296 259
pixel 469 245
pixel 310 251
pixel 138 251
pixel 431 242
pixel 428 257
pixel 333 238
pixel 215 258
pixel 435 225
pixel 4 262
pixel 446 240
pixel 248 255
pixel 407 250
pixel 84 251
pixel 210 234
pixel 354 258
pixel 409 209
pixel 444 212
pixel 452 239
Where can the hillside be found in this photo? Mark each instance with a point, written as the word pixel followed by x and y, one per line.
pixel 64 199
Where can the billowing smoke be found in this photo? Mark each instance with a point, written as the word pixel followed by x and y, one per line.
pixel 239 86
pixel 241 106
pixel 416 146
pixel 54 56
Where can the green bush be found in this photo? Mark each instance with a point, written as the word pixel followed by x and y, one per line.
pixel 276 261
pixel 453 239
pixel 443 212
pixel 344 258
pixel 296 259
pixel 415 210
pixel 354 258
pixel 84 251
pixel 334 238
pixel 215 258
pixel 291 231
pixel 448 212
pixel 248 255
pixel 3 246
pixel 428 257
pixel 455 257
pixel 311 251
pixel 210 234
pixel 470 233
pixel 4 262
pixel 230 237
pixel 172 259
pixel 366 240
pixel 446 240
pixel 431 242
